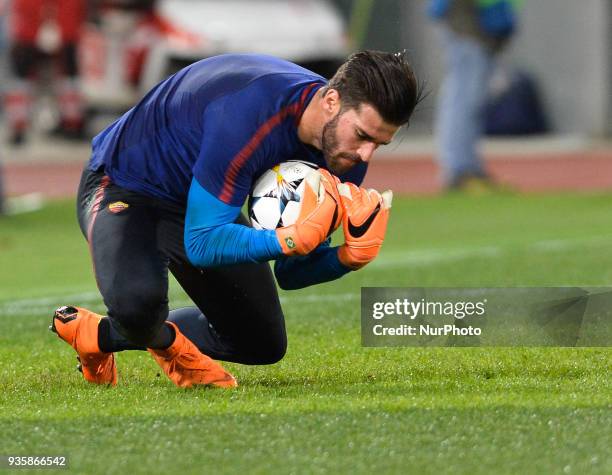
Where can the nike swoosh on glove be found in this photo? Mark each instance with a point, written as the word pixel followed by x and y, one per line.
pixel 366 213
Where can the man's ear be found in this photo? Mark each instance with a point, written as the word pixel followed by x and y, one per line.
pixel 331 102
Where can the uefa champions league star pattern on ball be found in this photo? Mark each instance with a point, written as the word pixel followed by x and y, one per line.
pixel 276 196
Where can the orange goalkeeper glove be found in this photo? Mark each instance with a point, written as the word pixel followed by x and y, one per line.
pixel 320 214
pixel 331 182
pixel 366 213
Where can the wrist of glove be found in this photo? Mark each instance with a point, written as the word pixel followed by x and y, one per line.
pixel 366 214
pixel 320 215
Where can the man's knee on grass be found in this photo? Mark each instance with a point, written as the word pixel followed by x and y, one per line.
pixel 139 313
pixel 269 351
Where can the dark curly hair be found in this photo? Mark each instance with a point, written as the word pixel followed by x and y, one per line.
pixel 386 81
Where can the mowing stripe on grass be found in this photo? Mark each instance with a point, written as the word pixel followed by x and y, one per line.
pixel 387 260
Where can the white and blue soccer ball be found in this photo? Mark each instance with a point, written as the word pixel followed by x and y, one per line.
pixel 275 199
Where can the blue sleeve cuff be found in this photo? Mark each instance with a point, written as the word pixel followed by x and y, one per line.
pixel 212 237
pixel 321 265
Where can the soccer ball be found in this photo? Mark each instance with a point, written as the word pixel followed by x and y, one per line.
pixel 276 196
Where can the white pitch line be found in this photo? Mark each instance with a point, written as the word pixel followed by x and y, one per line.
pixel 433 256
pixel 345 297
pixel 35 305
pixel 46 305
pixel 24 203
pixel 555 245
pixel 425 257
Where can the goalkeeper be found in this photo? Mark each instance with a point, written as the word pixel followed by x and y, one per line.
pixel 164 188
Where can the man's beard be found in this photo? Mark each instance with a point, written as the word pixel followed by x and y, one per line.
pixel 329 148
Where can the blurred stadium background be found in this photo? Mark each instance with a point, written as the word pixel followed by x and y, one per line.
pixel 565 46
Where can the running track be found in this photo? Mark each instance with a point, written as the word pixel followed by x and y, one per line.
pixel 576 171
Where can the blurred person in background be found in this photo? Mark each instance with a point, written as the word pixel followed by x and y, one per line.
pixel 4 5
pixel 40 28
pixel 3 43
pixel 473 32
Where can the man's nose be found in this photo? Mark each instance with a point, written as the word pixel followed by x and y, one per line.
pixel 366 151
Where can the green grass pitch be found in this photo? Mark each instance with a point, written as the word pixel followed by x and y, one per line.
pixel 330 406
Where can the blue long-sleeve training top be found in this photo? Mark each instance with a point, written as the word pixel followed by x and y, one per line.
pixel 203 136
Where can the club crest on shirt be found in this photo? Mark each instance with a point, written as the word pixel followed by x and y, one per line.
pixel 118 207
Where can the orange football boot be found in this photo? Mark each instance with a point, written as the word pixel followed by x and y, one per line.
pixel 79 328
pixel 186 366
